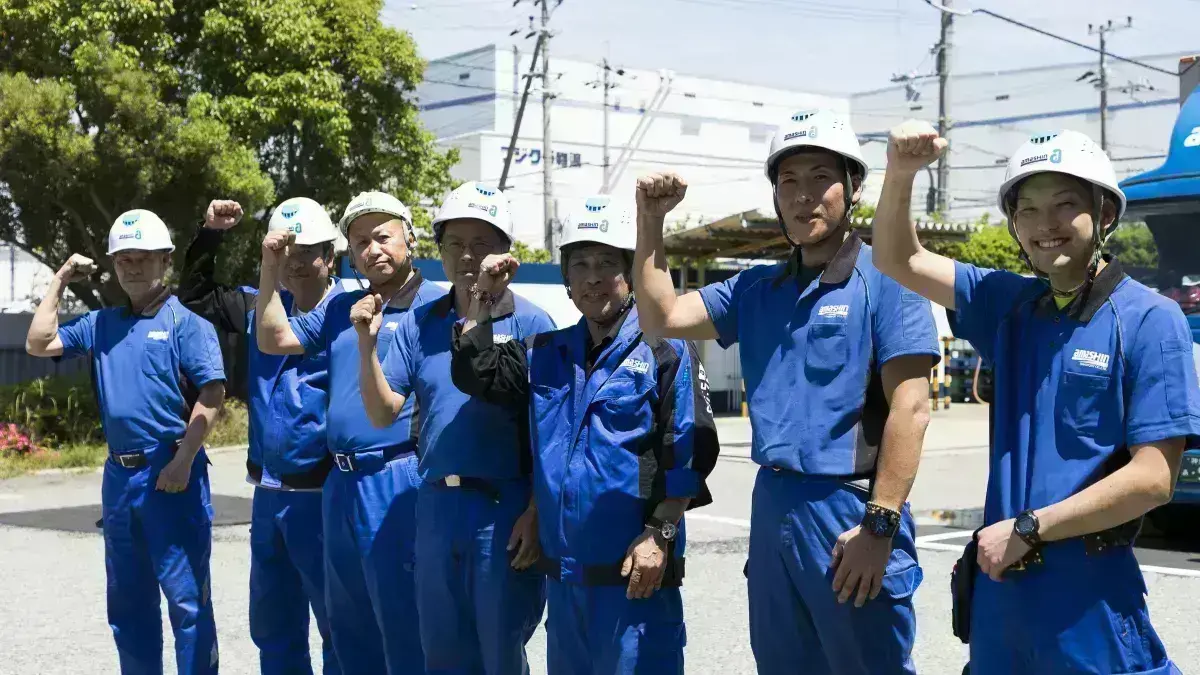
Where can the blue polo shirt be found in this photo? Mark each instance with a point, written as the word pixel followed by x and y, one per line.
pixel 139 363
pixel 459 434
pixel 811 356
pixel 1076 387
pixel 328 327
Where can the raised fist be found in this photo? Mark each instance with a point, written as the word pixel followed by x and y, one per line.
pixel 658 193
pixel 276 245
pixel 914 145
pixel 367 315
pixel 222 214
pixel 77 268
pixel 495 273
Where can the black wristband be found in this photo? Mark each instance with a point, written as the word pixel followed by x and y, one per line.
pixel 880 521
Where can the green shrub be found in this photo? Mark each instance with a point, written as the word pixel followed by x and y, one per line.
pixel 53 410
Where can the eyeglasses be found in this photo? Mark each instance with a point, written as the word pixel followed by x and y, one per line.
pixel 478 247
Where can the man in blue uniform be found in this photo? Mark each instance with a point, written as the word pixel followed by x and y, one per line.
pixel 836 359
pixel 613 473
pixel 159 380
pixel 288 459
pixel 370 495
pixel 1095 401
pixel 477 611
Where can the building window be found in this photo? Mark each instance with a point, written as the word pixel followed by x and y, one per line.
pixel 689 126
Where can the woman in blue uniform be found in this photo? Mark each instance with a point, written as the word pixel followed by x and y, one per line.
pixel 614 472
pixel 159 380
pixel 1095 401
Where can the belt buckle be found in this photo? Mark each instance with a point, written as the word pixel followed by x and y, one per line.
pixel 453 480
pixel 128 461
pixel 344 462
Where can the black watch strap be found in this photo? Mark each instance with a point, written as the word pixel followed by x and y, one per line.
pixel 667 529
pixel 880 521
pixel 1027 527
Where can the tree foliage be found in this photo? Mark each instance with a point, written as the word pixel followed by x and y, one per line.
pixel 107 105
pixel 991 246
pixel 1134 244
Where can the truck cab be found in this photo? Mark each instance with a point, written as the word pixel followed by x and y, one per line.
pixel 1168 200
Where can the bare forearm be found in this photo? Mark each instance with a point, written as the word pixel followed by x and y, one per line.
pixel 477 313
pixel 893 231
pixel 204 415
pixel 274 332
pixel 652 276
pixel 44 326
pixel 381 403
pixel 1130 492
pixel 900 454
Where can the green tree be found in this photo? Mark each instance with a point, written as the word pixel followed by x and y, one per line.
pixel 991 246
pixel 1134 245
pixel 107 105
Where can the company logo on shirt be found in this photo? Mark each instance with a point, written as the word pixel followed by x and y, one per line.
pixel 391 325
pixel 702 377
pixel 837 311
pixel 158 335
pixel 1091 359
pixel 637 366
pixel 500 339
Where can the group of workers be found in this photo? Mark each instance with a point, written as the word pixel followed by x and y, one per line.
pixel 436 469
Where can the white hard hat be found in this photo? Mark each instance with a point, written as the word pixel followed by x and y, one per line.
pixel 599 220
pixel 478 201
pixel 139 230
pixel 374 202
pixel 306 218
pixel 821 128
pixel 1066 152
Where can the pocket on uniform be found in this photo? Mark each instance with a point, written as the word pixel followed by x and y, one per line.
pixel 1082 398
pixel 626 414
pixel 901 577
pixel 825 350
pixel 156 359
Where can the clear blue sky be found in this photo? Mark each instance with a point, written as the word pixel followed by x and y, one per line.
pixel 811 45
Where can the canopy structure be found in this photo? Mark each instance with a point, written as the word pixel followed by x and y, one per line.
pixel 1173 187
pixel 755 235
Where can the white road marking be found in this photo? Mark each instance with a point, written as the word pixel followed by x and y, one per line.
pixel 737 522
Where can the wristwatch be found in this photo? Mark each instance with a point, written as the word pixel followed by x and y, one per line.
pixel 1026 527
pixel 668 530
pixel 880 521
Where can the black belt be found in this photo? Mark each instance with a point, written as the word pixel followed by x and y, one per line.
pixel 467 483
pixel 312 479
pixel 610 575
pixel 129 460
pixel 347 461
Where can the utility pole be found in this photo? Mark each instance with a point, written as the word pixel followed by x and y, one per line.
pixel 512 142
pixel 1103 30
pixel 547 145
pixel 943 71
pixel 607 86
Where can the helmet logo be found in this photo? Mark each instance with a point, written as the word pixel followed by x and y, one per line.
pixel 492 211
pixel 801 116
pixel 591 225
pixel 594 204
pixel 604 226
pixel 1056 156
pixel 289 210
pixel 1043 138
pixel 137 234
pixel 1035 159
pixel 812 132
pixel 131 219
pixel 296 228
pixel 795 134
pixel 485 190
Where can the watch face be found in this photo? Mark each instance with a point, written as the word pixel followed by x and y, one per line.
pixel 669 530
pixel 1024 525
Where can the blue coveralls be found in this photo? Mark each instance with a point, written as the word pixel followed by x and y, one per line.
pixel 1075 389
pixel 611 442
pixel 152 539
pixel 287 461
pixel 811 360
pixel 369 499
pixel 477 613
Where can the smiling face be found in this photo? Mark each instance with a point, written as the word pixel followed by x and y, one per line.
pixel 1053 222
pixel 379 244
pixel 465 243
pixel 308 266
pixel 141 273
pixel 810 187
pixel 598 275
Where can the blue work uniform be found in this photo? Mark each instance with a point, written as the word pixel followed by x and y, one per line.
pixel 147 370
pixel 369 497
pixel 477 613
pixel 287 461
pixel 618 427
pixel 811 357
pixel 1075 390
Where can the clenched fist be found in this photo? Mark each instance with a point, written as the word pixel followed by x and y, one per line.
pixel 658 193
pixel 367 315
pixel 276 246
pixel 914 145
pixel 495 272
pixel 77 268
pixel 222 214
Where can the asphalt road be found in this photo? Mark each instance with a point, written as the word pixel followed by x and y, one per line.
pixel 52 573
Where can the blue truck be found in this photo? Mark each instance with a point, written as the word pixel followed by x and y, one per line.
pixel 1168 200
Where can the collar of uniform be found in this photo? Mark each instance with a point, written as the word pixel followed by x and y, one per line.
pixel 502 307
pixel 150 309
pixel 403 299
pixel 837 270
pixel 1092 298
pixel 613 330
